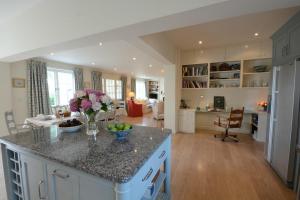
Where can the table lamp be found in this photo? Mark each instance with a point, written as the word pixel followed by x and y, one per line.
pixel 131 95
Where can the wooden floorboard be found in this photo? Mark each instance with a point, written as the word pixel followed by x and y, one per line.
pixel 205 168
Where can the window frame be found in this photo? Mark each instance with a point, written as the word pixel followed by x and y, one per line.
pixel 115 88
pixel 56 82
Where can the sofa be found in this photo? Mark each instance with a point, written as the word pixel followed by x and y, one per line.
pixel 134 109
pixel 147 105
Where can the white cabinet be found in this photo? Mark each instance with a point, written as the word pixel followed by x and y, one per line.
pixel 186 120
pixel 63 184
pixel 33 178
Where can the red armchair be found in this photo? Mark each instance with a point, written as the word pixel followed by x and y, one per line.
pixel 134 110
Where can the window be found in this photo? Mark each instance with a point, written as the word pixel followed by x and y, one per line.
pixel 112 88
pixel 61 85
pixel 140 88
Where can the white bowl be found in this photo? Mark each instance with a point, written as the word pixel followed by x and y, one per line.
pixel 70 129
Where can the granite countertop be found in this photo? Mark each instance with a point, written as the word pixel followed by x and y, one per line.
pixel 101 156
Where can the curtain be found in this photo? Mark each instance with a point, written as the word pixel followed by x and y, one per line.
pixel 146 89
pixel 78 73
pixel 37 90
pixel 124 87
pixel 133 84
pixel 97 80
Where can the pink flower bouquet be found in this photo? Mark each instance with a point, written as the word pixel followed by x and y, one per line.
pixel 90 102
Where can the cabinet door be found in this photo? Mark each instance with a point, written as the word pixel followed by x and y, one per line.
pixel 281 49
pixel 63 185
pixel 295 41
pixel 33 178
pixel 283 125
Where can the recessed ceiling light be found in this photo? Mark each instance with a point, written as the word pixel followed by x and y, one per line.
pixel 115 69
pixel 93 63
pixel 162 71
pixel 256 34
pixel 246 46
pixel 51 54
pixel 150 65
pixel 134 58
pixel 100 43
pixel 200 42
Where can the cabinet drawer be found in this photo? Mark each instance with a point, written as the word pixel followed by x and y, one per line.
pixel 145 175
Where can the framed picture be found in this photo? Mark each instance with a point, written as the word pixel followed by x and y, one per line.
pixel 18 82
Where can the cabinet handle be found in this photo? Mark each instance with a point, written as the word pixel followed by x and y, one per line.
pixel 62 176
pixel 39 190
pixel 162 154
pixel 147 175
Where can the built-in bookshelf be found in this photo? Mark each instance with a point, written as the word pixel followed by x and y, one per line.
pixel 153 89
pixel 254 73
pixel 257 73
pixel 225 74
pixel 195 76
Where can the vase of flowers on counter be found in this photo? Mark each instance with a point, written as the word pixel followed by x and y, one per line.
pixel 263 105
pixel 90 103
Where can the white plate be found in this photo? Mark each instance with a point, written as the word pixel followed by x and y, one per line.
pixel 70 129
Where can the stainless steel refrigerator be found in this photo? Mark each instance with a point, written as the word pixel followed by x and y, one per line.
pixel 284 123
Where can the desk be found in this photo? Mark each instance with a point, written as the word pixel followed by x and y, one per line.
pixel 191 120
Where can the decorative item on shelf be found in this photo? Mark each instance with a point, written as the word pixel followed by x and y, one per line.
pixel 121 130
pixel 89 103
pixel 236 75
pixel 213 68
pixel 183 104
pixel 260 68
pixel 236 66
pixel 262 105
pixel 224 67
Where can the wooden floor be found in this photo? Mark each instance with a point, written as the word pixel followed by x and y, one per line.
pixel 205 168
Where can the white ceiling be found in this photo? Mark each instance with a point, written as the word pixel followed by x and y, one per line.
pixel 235 30
pixel 119 53
pixel 13 8
pixel 114 54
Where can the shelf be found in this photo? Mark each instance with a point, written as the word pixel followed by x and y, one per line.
pixel 202 76
pixel 194 88
pixel 229 71
pixel 256 73
pixel 228 79
pixel 158 184
pixel 256 87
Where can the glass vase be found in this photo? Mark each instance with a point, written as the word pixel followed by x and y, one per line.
pixel 91 126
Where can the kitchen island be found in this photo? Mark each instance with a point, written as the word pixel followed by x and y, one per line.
pixel 48 164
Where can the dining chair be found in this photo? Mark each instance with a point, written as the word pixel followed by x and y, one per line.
pixel 103 118
pixel 14 128
pixel 234 121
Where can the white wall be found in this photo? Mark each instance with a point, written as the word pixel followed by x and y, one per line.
pixel 235 97
pixel 5 95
